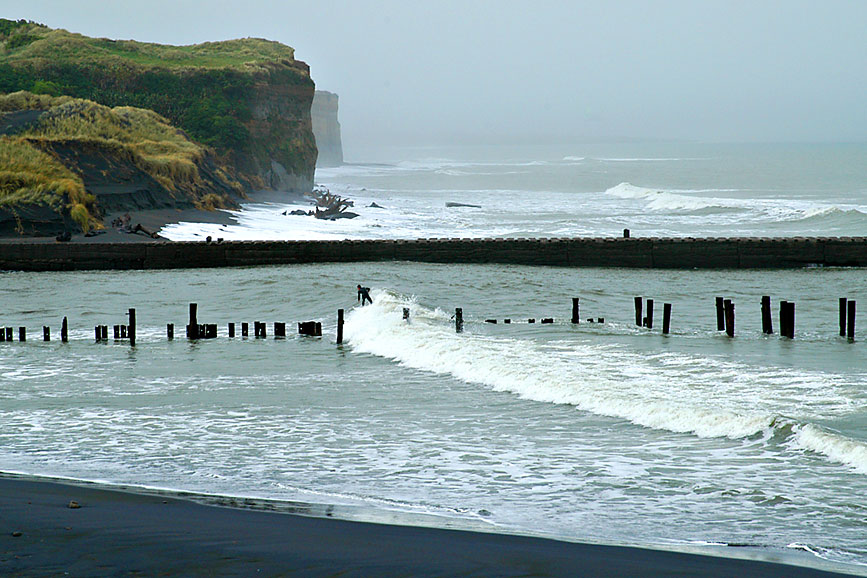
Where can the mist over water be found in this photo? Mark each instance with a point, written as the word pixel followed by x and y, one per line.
pixel 600 432
pixel 656 189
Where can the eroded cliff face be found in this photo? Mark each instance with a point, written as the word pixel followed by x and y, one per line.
pixel 283 149
pixel 326 129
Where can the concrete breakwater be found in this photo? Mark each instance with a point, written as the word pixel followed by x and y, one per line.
pixel 665 253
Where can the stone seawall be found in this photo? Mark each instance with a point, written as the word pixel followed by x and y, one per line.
pixel 664 253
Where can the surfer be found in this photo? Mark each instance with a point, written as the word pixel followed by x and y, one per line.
pixel 364 294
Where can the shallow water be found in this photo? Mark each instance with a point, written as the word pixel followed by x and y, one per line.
pixel 592 432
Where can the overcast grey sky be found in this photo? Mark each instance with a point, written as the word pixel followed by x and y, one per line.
pixel 487 71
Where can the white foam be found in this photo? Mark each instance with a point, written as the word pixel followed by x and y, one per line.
pixel 733 401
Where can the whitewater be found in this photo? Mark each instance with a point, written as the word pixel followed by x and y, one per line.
pixel 704 191
pixel 597 432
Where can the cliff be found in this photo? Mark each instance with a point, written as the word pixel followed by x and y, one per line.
pixel 66 161
pixel 326 129
pixel 247 100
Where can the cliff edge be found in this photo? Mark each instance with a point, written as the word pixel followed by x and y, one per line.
pixel 246 103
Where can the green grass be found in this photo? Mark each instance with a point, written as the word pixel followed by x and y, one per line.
pixel 28 175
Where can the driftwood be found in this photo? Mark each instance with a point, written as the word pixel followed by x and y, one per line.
pixel 331 206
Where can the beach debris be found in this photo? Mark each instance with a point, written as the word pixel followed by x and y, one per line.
pixel 17 534
pixel 451 205
pixel 331 206
pixel 73 505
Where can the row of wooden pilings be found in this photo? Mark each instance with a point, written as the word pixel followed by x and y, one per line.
pixel 725 316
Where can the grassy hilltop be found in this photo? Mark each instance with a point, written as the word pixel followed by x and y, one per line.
pixel 211 117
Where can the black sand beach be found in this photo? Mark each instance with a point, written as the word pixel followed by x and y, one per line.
pixel 119 533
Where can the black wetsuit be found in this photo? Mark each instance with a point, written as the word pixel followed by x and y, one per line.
pixel 364 295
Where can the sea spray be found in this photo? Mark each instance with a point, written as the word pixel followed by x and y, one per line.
pixel 733 402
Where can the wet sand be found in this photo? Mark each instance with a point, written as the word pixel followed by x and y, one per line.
pixel 121 533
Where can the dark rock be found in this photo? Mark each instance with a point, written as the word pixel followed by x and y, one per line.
pixel 463 205
pixel 17 534
pixel 374 206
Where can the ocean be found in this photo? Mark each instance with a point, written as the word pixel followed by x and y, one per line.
pixel 596 432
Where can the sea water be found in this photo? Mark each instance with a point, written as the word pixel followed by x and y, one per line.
pixel 601 432
pixel 680 190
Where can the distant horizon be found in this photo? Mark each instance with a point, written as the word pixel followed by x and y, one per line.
pixel 676 71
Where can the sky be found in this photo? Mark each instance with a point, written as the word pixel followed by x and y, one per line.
pixel 484 71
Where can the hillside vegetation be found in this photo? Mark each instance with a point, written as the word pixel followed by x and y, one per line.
pixel 204 89
pixel 31 172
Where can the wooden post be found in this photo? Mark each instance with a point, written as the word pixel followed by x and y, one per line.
pixel 720 314
pixel 123 333
pixel 575 317
pixel 784 318
pixel 531 320
pixel 131 331
pixel 22 334
pixel 339 326
pixel 170 331
pixel 9 332
pixel 211 331
pixel 263 327
pixel 245 329
pixel 548 320
pixel 103 331
pixel 638 318
pixel 2 334
pixel 46 333
pixel 625 233
pixel 666 318
pixel 97 333
pixel 459 320
pixel 117 331
pixel 64 332
pixel 650 313
pixel 507 321
pixel 193 327
pixel 790 319
pixel 767 320
pixel 843 308
pixel 231 330
pixel 729 309
pixel 851 315
pixel 279 329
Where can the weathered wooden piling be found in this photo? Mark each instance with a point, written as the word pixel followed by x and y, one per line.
pixel 131 331
pixel 459 320
pixel 575 310
pixel 729 310
pixel 211 331
pixel 843 315
pixel 117 331
pixel 103 332
pixel 720 314
pixel 245 329
pixel 339 326
pixel 548 320
pixel 767 319
pixel 310 328
pixel 639 320
pixel 231 330
pixel 507 321
pixel 46 333
pixel 123 332
pixel 649 319
pixel 193 327
pixel 625 233
pixel 2 334
pixel 97 333
pixel 64 332
pixel 279 329
pixel 170 331
pixel 9 332
pixel 666 318
pixel 851 320
pixel 493 321
pixel 22 334
pixel 531 320
pixel 787 319
pixel 600 320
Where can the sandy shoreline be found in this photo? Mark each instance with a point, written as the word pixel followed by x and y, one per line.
pixel 155 219
pixel 116 532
